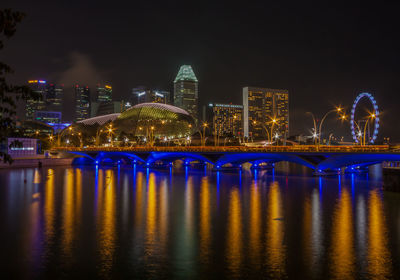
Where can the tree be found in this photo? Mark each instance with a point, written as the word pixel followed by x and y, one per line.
pixel 9 94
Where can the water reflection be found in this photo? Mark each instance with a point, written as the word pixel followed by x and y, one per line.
pixel 187 224
pixel 255 225
pixel 379 261
pixel 234 233
pixel 106 221
pixel 275 232
pixel 342 251
pixel 205 221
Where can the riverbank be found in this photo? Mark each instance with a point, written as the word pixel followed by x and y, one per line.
pixel 36 162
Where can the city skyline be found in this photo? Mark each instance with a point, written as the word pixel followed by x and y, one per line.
pixel 302 48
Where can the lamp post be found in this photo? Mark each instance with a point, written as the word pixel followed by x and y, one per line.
pixel 204 133
pixel 338 110
pixel 315 127
pixel 372 116
pixel 273 122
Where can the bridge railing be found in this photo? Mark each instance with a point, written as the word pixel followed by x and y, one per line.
pixel 236 149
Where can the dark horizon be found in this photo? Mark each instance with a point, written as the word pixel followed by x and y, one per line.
pixel 323 54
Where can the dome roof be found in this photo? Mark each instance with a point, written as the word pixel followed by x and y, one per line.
pixel 162 107
pixel 100 120
pixel 165 120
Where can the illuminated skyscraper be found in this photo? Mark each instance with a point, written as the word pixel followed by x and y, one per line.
pixel 82 103
pixel 260 106
pixel 32 106
pixel 143 95
pixel 104 94
pixel 54 96
pixel 227 119
pixel 186 91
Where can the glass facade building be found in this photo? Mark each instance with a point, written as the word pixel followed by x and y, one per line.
pixel 32 105
pixel 104 93
pixel 186 94
pixel 144 95
pixel 227 119
pixel 49 104
pixel 82 105
pixel 260 106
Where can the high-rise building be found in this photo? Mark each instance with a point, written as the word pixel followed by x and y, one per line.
pixel 260 106
pixel 186 91
pixel 34 105
pixel 82 102
pixel 227 119
pixel 144 95
pixel 48 117
pixel 54 96
pixel 105 108
pixel 104 93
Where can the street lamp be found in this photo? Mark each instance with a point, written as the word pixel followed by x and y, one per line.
pixel 204 133
pixel 337 110
pixel 371 116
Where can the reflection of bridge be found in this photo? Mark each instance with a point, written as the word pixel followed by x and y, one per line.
pixel 319 158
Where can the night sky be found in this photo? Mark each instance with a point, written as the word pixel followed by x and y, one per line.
pixel 324 54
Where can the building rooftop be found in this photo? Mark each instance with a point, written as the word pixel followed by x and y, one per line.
pixel 185 74
pixel 100 120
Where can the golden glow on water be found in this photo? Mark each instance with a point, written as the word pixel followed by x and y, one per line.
pixel 379 261
pixel 234 236
pixel 255 224
pixel 36 177
pixel 107 220
pixel 78 196
pixel 342 248
pixel 49 207
pixel 68 211
pixel 163 214
pixel 205 222
pixel 151 217
pixel 139 199
pixel 307 231
pixel 189 218
pixel 275 233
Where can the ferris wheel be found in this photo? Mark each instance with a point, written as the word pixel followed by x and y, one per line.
pixel 355 129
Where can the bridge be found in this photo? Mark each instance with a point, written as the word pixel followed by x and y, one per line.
pixel 318 158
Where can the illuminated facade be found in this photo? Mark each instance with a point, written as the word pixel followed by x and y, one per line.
pixel 105 108
pixel 104 93
pixel 54 96
pixel 143 95
pixel 227 119
pixel 82 105
pixel 49 106
pixel 260 106
pixel 186 91
pixel 48 116
pixel 166 120
pixel 32 106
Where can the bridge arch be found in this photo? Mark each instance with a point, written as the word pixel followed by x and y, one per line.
pixel 340 161
pixel 156 156
pixel 240 158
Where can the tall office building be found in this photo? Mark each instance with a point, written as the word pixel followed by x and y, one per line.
pixel 54 96
pixel 82 102
pixel 227 119
pixel 144 95
pixel 34 105
pixel 260 106
pixel 104 93
pixel 186 91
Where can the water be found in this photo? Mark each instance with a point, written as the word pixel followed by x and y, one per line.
pixel 115 223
